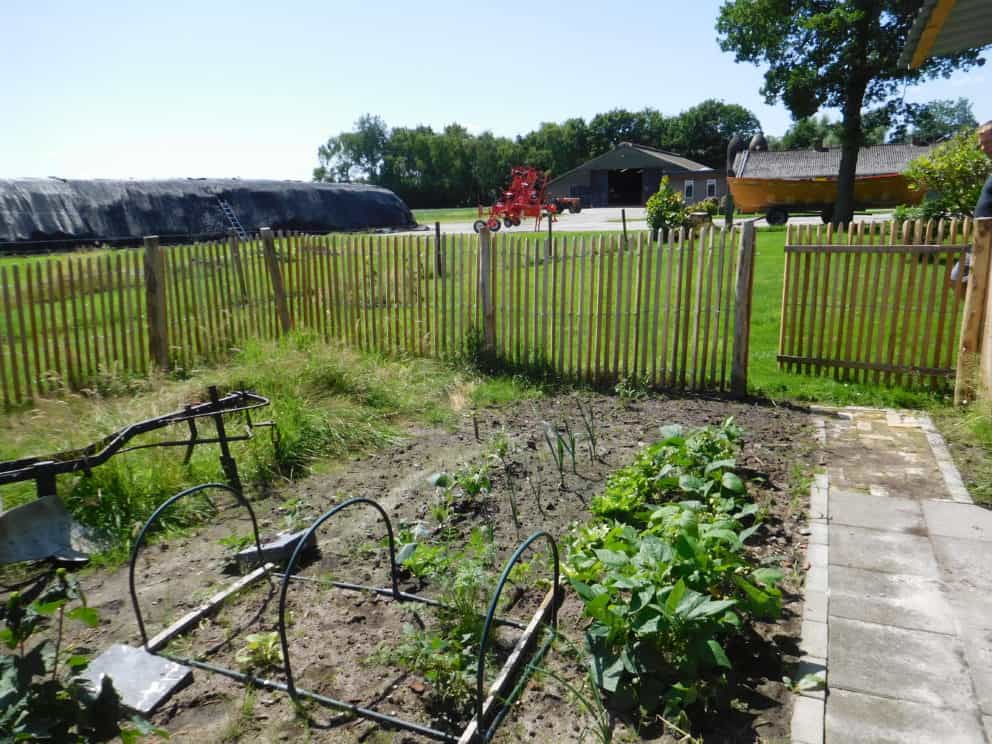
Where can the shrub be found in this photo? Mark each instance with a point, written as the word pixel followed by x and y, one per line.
pixel 710 205
pixel 666 209
pixel 953 173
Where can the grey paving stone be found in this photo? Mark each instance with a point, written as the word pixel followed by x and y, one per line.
pixel 967 574
pixel 860 509
pixel 814 639
pixel 818 534
pixel 143 681
pixel 977 644
pixel 890 599
pixel 909 665
pixel 987 722
pixel 815 606
pixel 816 554
pixel 878 550
pixel 865 719
pixel 954 519
pixel 807 720
pixel 817 579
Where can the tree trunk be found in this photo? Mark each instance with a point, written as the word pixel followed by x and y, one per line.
pixel 843 211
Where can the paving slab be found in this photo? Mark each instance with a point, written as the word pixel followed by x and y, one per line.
pixel 866 719
pixel 955 519
pixel 911 665
pixel 967 574
pixel 807 721
pixel 977 644
pixel 882 550
pixel 860 509
pixel 143 681
pixel 903 600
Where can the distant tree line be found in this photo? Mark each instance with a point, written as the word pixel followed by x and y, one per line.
pixel 453 167
pixel 893 123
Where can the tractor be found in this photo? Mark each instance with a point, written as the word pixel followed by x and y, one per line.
pixel 524 197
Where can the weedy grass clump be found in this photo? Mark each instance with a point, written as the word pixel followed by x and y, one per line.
pixel 664 576
pixel 327 401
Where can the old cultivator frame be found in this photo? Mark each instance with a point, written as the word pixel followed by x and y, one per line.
pixel 489 709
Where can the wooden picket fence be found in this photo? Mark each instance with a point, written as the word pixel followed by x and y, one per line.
pixel 670 314
pixel 879 302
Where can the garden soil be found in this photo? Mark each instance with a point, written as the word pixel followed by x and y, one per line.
pixel 336 635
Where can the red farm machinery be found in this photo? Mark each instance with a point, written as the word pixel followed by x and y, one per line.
pixel 525 197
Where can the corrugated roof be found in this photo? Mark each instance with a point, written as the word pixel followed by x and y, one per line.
pixel 946 27
pixel 666 160
pixel 876 160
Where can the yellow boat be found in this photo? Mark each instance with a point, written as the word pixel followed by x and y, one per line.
pixel 806 180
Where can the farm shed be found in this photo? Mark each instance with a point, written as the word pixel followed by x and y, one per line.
pixel 35 209
pixel 628 174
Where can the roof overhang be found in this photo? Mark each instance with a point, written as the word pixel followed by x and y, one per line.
pixel 946 27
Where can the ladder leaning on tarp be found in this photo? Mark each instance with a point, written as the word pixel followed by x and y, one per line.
pixel 232 218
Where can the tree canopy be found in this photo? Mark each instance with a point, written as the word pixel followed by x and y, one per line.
pixel 452 167
pixel 842 54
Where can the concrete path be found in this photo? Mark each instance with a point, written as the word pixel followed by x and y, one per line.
pixel 899 591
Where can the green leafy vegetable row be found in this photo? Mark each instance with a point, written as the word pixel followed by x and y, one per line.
pixel 664 575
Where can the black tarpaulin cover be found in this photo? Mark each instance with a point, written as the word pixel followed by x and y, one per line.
pixel 63 209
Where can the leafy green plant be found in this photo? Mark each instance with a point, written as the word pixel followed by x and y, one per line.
pixel 664 576
pixel 41 698
pixel 666 209
pixel 710 205
pixel 953 173
pixel 630 390
pixel 261 652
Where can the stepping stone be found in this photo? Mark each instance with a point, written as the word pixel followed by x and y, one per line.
pixel 954 519
pixel 866 719
pixel 910 665
pixel 143 680
pixel 860 509
pixel 878 550
pixel 903 600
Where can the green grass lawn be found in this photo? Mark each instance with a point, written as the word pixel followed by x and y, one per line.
pixel 449 214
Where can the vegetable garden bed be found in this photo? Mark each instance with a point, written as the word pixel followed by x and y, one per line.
pixel 693 635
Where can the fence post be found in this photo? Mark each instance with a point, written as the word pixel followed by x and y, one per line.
pixel 973 322
pixel 239 269
pixel 275 273
pixel 742 311
pixel 438 256
pixel 485 290
pixel 158 329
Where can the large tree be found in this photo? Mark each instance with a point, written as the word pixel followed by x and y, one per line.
pixel 836 53
pixel 701 133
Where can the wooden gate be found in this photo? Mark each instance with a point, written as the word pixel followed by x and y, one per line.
pixel 880 302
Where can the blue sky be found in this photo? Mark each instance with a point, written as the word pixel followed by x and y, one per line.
pixel 118 89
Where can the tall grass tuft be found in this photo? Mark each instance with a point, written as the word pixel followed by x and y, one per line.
pixel 327 401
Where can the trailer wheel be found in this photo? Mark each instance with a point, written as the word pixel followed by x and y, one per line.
pixel 777 216
pixel 575 208
pixel 507 223
pixel 494 225
pixel 478 225
pixel 516 221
